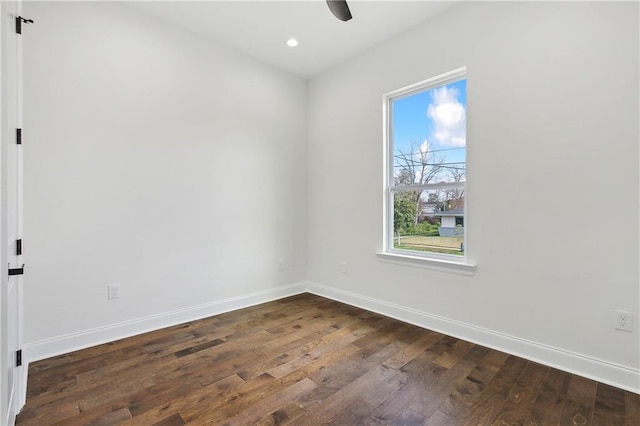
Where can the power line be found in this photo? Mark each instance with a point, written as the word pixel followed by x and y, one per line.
pixel 420 163
pixel 409 159
pixel 440 150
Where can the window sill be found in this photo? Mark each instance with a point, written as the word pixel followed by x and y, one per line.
pixel 442 265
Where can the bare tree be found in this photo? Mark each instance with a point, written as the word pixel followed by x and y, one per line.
pixel 455 196
pixel 418 166
pixel 457 173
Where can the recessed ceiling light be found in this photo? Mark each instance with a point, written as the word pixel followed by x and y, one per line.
pixel 292 42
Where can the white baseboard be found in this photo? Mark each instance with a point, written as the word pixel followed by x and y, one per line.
pixel 606 372
pixel 71 342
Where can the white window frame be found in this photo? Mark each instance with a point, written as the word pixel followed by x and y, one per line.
pixel 438 261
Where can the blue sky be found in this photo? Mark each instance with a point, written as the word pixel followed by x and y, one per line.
pixel 434 118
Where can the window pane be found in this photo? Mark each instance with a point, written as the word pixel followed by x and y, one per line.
pixel 429 220
pixel 427 146
pixel 429 136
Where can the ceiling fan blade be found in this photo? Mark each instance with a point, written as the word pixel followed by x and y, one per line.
pixel 340 9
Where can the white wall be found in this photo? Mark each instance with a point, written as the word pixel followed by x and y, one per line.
pixel 552 131
pixel 448 222
pixel 155 160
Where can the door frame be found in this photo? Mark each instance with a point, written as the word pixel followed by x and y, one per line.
pixel 11 400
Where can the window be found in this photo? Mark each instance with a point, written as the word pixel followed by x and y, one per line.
pixel 426 169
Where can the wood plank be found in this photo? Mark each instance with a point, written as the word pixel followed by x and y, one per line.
pixel 111 418
pixel 283 416
pixel 408 417
pixel 232 400
pixel 413 350
pixel 631 409
pixel 465 393
pixel 321 363
pixel 433 394
pixel 204 395
pixel 355 413
pixel 609 407
pixel 523 394
pixel 577 409
pixel 547 410
pixel 173 420
pixel 416 375
pixel 161 395
pixel 488 403
pixel 52 412
pixel 375 350
pixel 275 361
pixel 253 412
pixel 334 404
pixel 342 372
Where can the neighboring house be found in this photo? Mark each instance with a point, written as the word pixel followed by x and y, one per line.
pixel 451 222
pixel 430 208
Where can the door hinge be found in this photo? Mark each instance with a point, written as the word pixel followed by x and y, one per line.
pixel 19 358
pixel 19 247
pixel 16 271
pixel 19 136
pixel 19 21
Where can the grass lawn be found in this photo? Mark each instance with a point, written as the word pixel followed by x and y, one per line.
pixel 446 245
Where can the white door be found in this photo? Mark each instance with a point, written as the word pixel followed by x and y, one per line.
pixel 11 212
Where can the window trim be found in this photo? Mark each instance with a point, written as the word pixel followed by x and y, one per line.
pixel 443 265
pixel 438 261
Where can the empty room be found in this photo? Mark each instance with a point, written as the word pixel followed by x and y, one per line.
pixel 312 212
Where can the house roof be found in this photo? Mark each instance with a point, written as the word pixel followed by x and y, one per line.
pixel 452 212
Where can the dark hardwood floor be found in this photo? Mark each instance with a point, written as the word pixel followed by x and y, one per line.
pixel 306 360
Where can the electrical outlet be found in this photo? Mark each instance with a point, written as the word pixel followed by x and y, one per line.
pixel 113 291
pixel 624 321
pixel 343 267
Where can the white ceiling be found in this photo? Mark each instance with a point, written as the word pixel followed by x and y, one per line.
pixel 261 28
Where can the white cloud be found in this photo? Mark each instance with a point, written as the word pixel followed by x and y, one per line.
pixel 449 117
